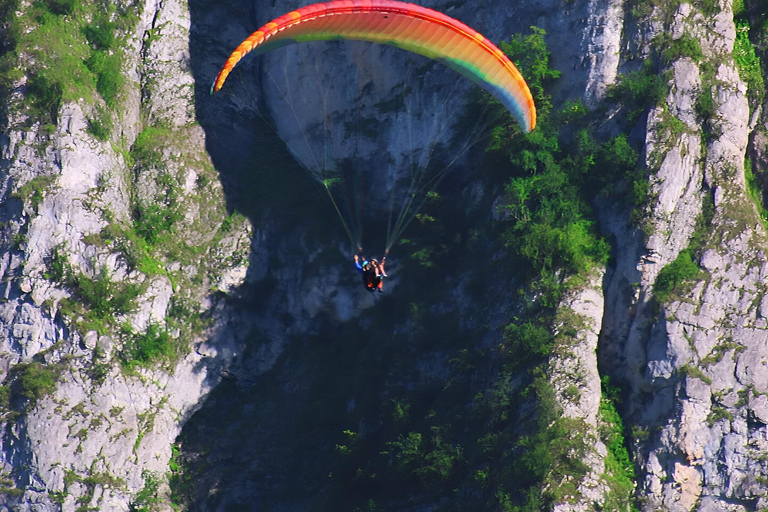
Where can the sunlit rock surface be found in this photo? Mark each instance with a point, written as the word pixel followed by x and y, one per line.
pixel 693 369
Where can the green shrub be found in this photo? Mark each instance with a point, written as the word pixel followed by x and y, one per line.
pixel 708 7
pixel 45 95
pixel 430 461
pixel 529 338
pixel 95 300
pixel 180 481
pixel 60 7
pixel 108 70
pixel 5 398
pixel 749 64
pixel 674 274
pixel 103 296
pixel 33 190
pixel 147 149
pixel 549 228
pixel 531 56
pixel 147 348
pixel 694 372
pixel 755 189
pixel 36 380
pixel 57 267
pixel 151 222
pixel 705 103
pixel 100 33
pixel 618 153
pixel 718 413
pixel 549 220
pixel 100 126
pixel 685 46
pixel 639 90
pixel 148 498
pixel 619 468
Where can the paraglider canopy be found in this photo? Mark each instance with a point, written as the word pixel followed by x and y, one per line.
pixel 403 25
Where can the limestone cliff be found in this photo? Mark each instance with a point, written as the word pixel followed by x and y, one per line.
pixel 134 295
pixel 87 423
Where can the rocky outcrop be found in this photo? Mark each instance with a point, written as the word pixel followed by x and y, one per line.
pixel 687 361
pixel 693 367
pixel 88 424
pixel 574 376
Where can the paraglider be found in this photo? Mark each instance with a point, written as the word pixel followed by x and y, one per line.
pixel 403 25
pixel 372 271
pixel 410 27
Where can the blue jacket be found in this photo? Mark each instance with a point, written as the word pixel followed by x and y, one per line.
pixel 359 265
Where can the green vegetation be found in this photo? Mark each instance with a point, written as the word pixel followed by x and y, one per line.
pixel 147 348
pixel 694 372
pixel 639 90
pixel 619 468
pixel 90 482
pixel 25 384
pixel 643 8
pixel 73 58
pixel 107 68
pixel 550 220
pixel 34 190
pixel 718 413
pixel 672 276
pixel 154 220
pixel 750 69
pixel 35 380
pixel 100 125
pixel 8 488
pixel 719 351
pixel 147 149
pixel 705 103
pixel 95 300
pixel 756 188
pixel 147 499
pixel 674 49
pixel 179 479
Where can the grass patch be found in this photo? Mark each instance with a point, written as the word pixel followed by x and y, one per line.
pixel 692 371
pixel 147 348
pixel 673 275
pixel 749 65
pixel 33 191
pixel 100 125
pixel 148 498
pixel 74 48
pixel 96 300
pixel 107 66
pixel 718 413
pixel 25 385
pixel 673 49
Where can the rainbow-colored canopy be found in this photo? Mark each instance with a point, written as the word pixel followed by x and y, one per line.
pixel 407 26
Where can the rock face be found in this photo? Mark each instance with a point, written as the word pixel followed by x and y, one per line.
pixel 686 362
pixel 90 420
pixel 573 370
pixel 88 425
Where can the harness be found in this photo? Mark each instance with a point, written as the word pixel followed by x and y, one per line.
pixel 370 279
